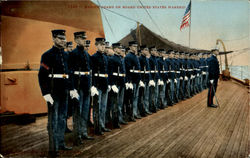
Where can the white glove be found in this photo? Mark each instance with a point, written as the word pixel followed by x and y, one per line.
pixel 186 78
pixel 94 91
pixel 168 81
pixel 74 94
pixel 109 88
pixel 48 98
pixel 175 80
pixel 115 89
pixel 159 82
pixel 151 83
pixel 181 78
pixel 198 75
pixel 141 84
pixel 129 85
pixel 211 81
pixel 203 73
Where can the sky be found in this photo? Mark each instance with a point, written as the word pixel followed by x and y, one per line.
pixel 210 20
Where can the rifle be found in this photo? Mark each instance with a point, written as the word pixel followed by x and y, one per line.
pixel 114 98
pixel 95 105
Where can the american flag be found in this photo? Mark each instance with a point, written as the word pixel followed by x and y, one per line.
pixel 186 17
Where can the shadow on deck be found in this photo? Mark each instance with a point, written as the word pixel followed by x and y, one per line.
pixel 188 129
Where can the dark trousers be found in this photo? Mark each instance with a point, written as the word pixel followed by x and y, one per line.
pixel 211 92
pixel 128 103
pixel 57 117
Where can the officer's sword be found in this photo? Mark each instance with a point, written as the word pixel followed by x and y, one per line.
pixel 215 96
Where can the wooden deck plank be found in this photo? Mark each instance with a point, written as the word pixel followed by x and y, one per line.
pixel 187 129
pixel 210 129
pixel 171 117
pixel 211 138
pixel 186 144
pixel 219 134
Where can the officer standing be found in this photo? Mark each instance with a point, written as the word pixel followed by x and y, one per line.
pixel 214 72
pixel 54 83
pixel 80 67
pixel 132 65
pixel 100 84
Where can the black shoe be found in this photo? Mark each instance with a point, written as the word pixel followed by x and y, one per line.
pixel 117 126
pixel 65 148
pixel 213 106
pixel 67 130
pixel 148 113
pixel 86 137
pixel 99 133
pixel 53 154
pixel 123 122
pixel 137 117
pixel 77 142
pixel 90 124
pixel 106 130
pixel 132 119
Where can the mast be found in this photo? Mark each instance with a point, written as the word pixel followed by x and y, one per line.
pixel 139 33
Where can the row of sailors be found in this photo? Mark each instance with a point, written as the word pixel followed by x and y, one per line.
pixel 122 87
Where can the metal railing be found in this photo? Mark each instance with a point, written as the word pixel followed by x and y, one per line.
pixel 240 72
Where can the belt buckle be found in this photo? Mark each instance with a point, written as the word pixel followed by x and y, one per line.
pixel 86 73
pixel 106 75
pixel 64 76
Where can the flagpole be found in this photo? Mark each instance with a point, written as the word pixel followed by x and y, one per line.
pixel 190 23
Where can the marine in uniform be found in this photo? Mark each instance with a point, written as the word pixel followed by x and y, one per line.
pixel 100 85
pixel 154 91
pixel 214 71
pixel 132 66
pixel 177 75
pixel 173 80
pixel 145 78
pixel 182 75
pixel 79 62
pixel 55 85
pixel 162 82
pixel 69 48
pixel 117 82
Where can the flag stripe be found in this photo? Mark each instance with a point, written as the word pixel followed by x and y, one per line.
pixel 186 17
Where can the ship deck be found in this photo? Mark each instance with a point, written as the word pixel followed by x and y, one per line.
pixel 188 129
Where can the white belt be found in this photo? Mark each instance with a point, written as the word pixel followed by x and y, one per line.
pixel 135 71
pixel 81 73
pixel 171 71
pixel 121 75
pixel 102 75
pixel 178 72
pixel 190 69
pixel 154 71
pixel 163 71
pixel 59 76
pixel 146 72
